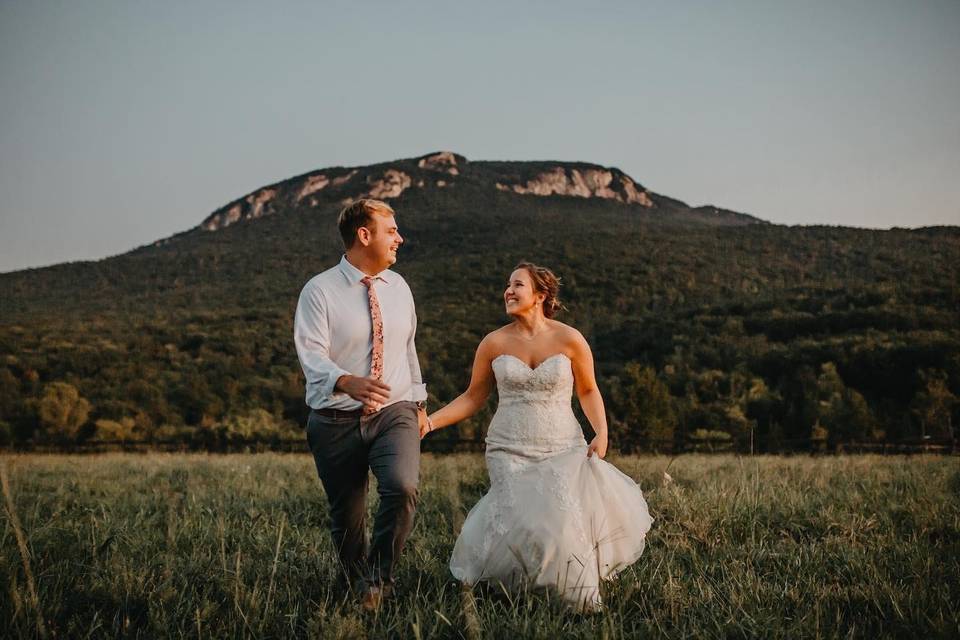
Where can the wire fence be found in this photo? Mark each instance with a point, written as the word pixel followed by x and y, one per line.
pixel 476 445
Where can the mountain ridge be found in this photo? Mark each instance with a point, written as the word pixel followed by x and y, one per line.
pixel 447 169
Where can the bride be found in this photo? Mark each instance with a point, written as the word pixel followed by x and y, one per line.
pixel 557 516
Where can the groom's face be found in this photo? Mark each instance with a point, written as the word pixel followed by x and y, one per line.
pixel 385 239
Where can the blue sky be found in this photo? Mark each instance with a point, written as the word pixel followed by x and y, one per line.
pixel 125 122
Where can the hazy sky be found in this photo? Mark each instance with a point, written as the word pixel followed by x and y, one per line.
pixel 124 122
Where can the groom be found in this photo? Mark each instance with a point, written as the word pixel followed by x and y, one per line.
pixel 354 331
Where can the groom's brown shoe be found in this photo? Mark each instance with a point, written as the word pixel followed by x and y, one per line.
pixel 373 596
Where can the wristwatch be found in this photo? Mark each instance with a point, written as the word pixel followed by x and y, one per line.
pixel 422 405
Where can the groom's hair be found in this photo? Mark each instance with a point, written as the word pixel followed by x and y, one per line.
pixel 360 214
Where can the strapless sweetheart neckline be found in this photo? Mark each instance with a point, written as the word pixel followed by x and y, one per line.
pixel 542 362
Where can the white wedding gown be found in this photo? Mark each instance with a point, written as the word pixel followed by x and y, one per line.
pixel 552 518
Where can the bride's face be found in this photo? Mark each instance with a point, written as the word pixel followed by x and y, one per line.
pixel 520 296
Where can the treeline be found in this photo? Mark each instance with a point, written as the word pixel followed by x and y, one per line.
pixel 208 380
pixel 758 335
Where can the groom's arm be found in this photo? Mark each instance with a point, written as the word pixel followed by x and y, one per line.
pixel 418 390
pixel 311 335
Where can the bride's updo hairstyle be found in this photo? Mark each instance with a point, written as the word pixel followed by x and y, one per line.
pixel 544 281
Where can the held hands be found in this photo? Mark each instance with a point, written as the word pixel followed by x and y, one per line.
pixel 598 446
pixel 370 391
pixel 424 422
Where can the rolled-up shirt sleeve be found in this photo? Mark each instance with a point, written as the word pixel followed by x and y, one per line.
pixel 311 334
pixel 418 390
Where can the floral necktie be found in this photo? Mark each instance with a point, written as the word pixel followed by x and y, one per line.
pixel 376 358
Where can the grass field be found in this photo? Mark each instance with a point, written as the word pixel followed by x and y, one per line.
pixel 232 546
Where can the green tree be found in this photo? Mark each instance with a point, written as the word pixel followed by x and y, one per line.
pixel 62 411
pixel 933 405
pixel 842 411
pixel 643 408
pixel 9 394
pixel 255 424
pixel 114 430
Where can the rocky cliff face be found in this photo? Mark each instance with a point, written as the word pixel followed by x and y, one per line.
pixel 582 183
pixel 253 206
pixel 445 170
pixel 445 161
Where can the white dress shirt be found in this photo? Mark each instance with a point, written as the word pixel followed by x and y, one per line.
pixel 334 337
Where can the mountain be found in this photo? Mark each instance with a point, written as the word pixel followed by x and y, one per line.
pixel 702 320
pixel 447 170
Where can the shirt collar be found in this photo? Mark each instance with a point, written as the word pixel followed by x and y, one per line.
pixel 354 275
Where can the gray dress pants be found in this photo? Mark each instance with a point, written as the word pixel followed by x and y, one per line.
pixel 344 448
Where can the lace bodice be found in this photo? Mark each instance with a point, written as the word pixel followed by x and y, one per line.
pixel 534 408
pixel 550 381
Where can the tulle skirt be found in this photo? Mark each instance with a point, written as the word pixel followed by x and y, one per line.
pixel 562 523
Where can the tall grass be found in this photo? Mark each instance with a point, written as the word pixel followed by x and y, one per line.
pixel 237 546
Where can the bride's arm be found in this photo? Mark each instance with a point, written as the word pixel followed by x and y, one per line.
pixel 471 400
pixel 589 394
